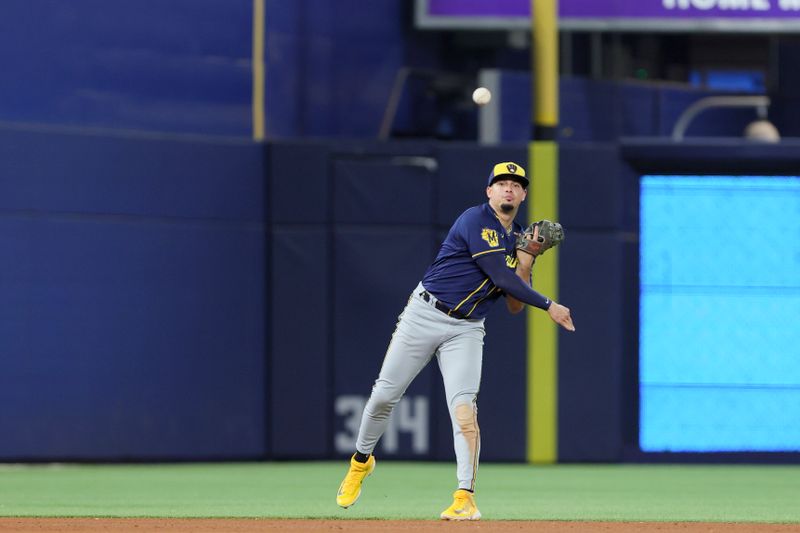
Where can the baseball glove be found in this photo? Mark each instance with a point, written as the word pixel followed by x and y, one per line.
pixel 550 234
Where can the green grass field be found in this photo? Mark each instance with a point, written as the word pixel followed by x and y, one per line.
pixel 400 490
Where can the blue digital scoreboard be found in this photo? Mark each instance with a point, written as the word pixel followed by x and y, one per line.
pixel 719 338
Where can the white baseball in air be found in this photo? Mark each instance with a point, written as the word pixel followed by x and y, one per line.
pixel 481 96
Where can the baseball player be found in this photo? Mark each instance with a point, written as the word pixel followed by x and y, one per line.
pixel 476 265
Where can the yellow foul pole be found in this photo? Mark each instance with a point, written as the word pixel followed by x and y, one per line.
pixel 543 201
pixel 258 70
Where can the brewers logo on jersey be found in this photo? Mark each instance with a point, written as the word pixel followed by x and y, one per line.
pixel 490 236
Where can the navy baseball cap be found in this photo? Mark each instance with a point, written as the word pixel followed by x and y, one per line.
pixel 508 171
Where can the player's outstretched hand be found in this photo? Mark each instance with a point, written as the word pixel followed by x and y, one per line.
pixel 561 316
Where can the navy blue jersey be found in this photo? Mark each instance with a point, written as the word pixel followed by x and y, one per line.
pixel 455 278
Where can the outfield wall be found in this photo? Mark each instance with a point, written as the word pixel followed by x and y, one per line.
pixel 184 299
pixel 132 282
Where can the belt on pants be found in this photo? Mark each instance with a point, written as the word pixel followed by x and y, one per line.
pixel 441 307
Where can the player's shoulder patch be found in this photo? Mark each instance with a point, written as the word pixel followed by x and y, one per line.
pixel 490 236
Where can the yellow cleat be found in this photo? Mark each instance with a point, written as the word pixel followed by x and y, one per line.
pixel 350 489
pixel 463 507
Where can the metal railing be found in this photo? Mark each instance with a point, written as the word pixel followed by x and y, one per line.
pixel 760 103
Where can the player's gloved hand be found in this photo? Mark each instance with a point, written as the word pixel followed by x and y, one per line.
pixel 539 237
pixel 561 316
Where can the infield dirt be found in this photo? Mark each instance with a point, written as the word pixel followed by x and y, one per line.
pixel 145 525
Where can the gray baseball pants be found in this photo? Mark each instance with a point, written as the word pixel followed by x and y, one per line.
pixel 423 331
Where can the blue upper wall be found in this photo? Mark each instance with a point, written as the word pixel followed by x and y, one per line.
pixel 186 67
pixel 330 65
pixel 177 66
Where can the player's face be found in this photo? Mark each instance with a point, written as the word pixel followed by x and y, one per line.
pixel 506 195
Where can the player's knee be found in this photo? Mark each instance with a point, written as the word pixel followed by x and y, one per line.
pixel 468 398
pixel 466 416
